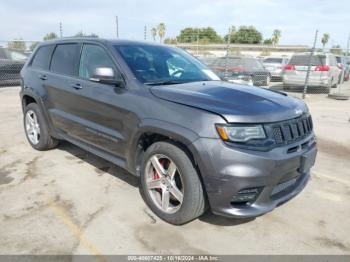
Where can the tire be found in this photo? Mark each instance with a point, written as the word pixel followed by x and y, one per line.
pixel 44 141
pixel 193 202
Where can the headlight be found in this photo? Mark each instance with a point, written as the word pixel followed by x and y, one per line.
pixel 240 133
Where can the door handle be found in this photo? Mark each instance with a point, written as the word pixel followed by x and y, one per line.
pixel 43 77
pixel 77 86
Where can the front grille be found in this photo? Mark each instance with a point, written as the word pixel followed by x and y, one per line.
pixel 292 130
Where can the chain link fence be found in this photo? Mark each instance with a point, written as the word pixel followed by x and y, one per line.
pixel 13 55
pixel 293 68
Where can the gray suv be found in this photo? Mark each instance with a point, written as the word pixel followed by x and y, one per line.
pixel 194 141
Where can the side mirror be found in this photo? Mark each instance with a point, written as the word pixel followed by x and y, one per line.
pixel 106 75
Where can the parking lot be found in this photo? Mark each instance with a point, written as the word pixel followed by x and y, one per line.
pixel 68 201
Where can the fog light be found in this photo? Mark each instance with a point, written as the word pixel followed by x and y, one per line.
pixel 246 196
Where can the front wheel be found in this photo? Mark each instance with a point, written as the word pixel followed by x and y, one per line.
pixel 170 184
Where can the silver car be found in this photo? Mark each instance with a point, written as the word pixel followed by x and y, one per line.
pixel 275 66
pixel 324 73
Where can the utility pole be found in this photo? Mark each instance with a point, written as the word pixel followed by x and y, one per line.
pixel 309 65
pixel 198 41
pixel 61 31
pixel 227 52
pixel 117 26
pixel 348 46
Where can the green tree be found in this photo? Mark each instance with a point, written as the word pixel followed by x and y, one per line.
pixel 232 32
pixel 246 35
pixel 18 44
pixel 33 45
pixel 154 33
pixel 170 41
pixel 82 34
pixel 324 39
pixel 203 35
pixel 50 36
pixel 161 28
pixel 276 36
pixel 267 41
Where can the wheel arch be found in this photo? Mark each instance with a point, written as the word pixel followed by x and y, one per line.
pixel 152 131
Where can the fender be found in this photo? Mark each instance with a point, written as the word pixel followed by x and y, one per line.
pixel 168 129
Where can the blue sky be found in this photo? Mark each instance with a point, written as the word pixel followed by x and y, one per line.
pixel 297 19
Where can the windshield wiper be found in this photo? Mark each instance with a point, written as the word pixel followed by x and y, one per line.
pixel 172 82
pixel 165 82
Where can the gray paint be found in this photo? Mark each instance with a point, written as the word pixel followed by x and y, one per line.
pixel 108 121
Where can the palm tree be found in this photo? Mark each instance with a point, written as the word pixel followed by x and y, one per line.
pixel 161 31
pixel 276 35
pixel 154 33
pixel 325 39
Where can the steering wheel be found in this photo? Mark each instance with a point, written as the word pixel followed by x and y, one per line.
pixel 178 71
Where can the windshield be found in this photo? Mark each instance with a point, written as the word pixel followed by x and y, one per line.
pixel 163 64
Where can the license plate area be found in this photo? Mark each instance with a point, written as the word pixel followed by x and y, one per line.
pixel 307 160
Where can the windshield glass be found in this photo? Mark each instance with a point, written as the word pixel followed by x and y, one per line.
pixel 157 64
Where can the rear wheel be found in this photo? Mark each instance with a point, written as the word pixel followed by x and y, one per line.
pixel 36 129
pixel 170 184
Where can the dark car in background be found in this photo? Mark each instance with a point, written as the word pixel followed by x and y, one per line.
pixel 242 70
pixel 275 66
pixel 11 63
pixel 344 66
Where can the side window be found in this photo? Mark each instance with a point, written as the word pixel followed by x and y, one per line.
pixel 92 57
pixel 63 59
pixel 42 57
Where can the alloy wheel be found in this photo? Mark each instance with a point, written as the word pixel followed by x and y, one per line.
pixel 164 183
pixel 32 127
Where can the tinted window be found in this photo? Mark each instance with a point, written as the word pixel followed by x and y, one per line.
pixel 338 59
pixel 152 64
pixel 63 59
pixel 273 60
pixel 303 60
pixel 42 57
pixel 92 57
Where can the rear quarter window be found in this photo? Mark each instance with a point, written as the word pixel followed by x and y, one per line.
pixel 42 57
pixel 303 60
pixel 64 59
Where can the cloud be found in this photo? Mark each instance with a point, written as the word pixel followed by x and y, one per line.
pixel 297 19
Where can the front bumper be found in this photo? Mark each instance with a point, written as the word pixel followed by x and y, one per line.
pixel 227 171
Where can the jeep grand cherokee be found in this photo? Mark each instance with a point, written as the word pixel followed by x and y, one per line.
pixel 194 141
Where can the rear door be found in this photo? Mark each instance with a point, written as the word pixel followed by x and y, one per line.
pixel 61 93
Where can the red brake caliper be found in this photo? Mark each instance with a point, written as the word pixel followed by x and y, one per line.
pixel 157 176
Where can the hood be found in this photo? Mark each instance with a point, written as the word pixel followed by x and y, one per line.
pixel 235 103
